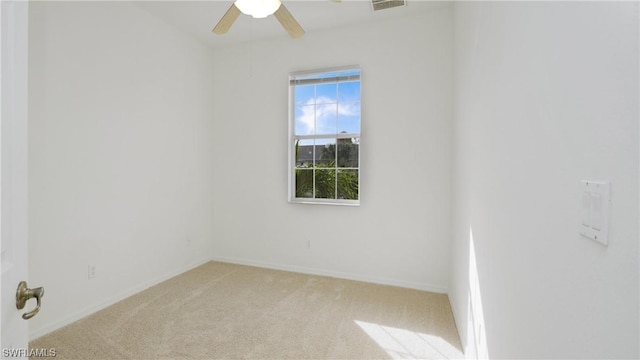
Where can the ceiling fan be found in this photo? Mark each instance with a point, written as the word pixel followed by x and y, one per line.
pixel 260 9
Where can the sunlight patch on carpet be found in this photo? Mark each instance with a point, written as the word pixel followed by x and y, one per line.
pixel 406 344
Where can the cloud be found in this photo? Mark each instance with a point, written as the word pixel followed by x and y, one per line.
pixel 319 115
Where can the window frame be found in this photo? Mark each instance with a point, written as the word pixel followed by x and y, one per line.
pixel 293 137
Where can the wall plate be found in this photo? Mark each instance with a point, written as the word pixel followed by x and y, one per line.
pixel 595 199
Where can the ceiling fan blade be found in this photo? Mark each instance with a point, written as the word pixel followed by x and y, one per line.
pixel 288 22
pixel 227 20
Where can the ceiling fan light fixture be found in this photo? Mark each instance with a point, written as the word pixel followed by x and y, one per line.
pixel 258 8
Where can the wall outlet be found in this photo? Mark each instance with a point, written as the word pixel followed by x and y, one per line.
pixel 308 244
pixel 91 271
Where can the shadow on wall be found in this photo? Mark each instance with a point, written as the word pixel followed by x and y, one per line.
pixel 476 335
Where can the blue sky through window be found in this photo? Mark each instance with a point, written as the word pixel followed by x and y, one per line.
pixel 328 108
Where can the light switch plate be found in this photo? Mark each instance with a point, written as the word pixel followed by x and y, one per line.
pixel 595 199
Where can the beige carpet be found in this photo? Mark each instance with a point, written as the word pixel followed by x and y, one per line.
pixel 226 311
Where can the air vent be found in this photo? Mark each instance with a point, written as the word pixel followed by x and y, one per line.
pixel 387 4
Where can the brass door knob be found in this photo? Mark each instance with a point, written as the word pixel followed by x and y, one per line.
pixel 23 294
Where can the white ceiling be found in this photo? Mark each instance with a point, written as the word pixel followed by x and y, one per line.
pixel 199 17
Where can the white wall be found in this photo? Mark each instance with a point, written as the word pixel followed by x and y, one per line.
pixel 401 232
pixel 546 94
pixel 120 155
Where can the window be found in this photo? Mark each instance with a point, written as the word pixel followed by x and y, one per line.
pixel 324 125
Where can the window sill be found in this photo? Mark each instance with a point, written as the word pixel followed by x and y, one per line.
pixel 325 202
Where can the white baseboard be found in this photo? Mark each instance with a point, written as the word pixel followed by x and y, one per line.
pixel 109 301
pixel 299 269
pixel 336 274
pixel 456 321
